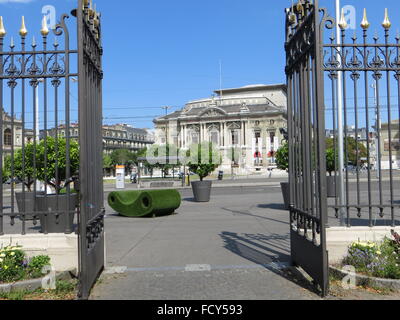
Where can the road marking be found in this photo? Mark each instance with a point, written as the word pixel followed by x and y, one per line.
pixel 200 268
pixel 197 267
pixel 115 270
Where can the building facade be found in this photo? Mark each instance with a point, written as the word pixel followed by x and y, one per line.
pixel 13 134
pixel 394 146
pixel 244 121
pixel 119 136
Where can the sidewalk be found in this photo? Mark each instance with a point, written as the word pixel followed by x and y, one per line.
pixel 231 248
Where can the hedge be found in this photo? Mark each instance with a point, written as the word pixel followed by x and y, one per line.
pixel 145 203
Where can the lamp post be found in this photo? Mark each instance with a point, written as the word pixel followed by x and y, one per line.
pixel 378 127
pixel 166 108
pixel 37 129
pixel 342 195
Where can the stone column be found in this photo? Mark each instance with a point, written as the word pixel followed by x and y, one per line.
pixel 243 142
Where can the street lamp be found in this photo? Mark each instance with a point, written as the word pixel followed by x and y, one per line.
pixel 340 25
pixel 378 127
pixel 37 130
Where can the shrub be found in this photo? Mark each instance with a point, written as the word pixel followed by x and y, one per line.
pixel 12 264
pixel 282 157
pixel 376 260
pixel 15 266
pixel 36 264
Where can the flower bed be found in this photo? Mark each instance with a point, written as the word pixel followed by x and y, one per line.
pixel 15 266
pixel 380 260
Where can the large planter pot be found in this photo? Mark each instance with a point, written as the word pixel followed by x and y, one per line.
pixel 285 186
pixel 53 203
pixel 202 190
pixel 331 186
pixel 26 203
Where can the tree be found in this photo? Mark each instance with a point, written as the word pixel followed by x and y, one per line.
pixel 52 169
pixel 352 147
pixel 123 157
pixel 204 158
pixel 331 160
pixel 282 157
pixel 24 169
pixel 107 161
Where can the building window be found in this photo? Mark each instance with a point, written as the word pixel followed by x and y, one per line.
pixel 258 137
pixel 214 137
pixel 235 138
pixel 8 137
pixel 195 137
pixel 272 137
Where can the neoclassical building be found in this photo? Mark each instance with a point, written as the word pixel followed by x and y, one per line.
pixel 244 121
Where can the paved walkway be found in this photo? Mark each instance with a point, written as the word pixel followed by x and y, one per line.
pixel 231 248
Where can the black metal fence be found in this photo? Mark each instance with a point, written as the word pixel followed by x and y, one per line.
pixel 344 130
pixel 35 93
pixel 50 151
pixel 362 100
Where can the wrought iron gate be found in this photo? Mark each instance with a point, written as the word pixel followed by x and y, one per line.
pixel 336 125
pixel 92 212
pixel 50 145
pixel 306 128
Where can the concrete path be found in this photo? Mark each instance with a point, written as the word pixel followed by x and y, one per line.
pixel 231 248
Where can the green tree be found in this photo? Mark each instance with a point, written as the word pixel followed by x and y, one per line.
pixel 24 169
pixel 282 157
pixel 107 161
pixel 122 157
pixel 52 164
pixel 204 158
pixel 351 147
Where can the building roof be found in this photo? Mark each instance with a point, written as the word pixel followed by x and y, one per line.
pixel 216 107
pixel 253 87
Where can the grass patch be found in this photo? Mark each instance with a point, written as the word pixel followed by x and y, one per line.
pixel 65 290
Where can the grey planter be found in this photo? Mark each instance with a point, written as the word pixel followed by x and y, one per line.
pixel 330 186
pixel 29 202
pixel 202 190
pixel 49 204
pixel 285 186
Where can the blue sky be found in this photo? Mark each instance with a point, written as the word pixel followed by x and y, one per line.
pixel 161 53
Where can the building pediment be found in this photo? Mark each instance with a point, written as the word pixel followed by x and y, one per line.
pixel 213 112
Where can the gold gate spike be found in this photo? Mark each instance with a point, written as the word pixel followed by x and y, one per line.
pixel 365 23
pixel 386 23
pixel 23 32
pixel 45 30
pixel 343 23
pixel 2 29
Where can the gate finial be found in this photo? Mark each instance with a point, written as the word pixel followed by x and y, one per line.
pixel 2 29
pixel 23 32
pixel 45 30
pixel 365 23
pixel 386 23
pixel 343 23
